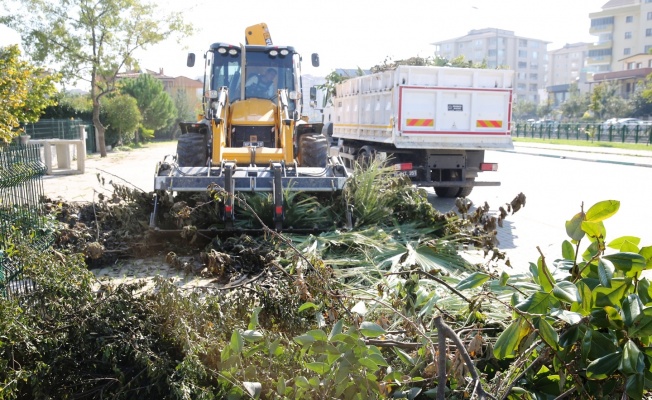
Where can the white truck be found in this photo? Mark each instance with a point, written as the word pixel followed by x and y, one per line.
pixel 433 123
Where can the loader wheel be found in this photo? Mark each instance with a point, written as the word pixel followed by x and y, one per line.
pixel 192 150
pixel 313 150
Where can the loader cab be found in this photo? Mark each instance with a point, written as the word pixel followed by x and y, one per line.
pixel 239 68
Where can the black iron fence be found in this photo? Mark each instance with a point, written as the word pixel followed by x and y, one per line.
pixel 598 132
pixel 21 214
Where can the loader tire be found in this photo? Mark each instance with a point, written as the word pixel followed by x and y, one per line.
pixel 192 150
pixel 313 150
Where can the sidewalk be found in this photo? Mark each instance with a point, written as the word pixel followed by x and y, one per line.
pixel 641 158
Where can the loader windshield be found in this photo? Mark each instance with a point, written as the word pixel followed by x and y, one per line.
pixel 263 75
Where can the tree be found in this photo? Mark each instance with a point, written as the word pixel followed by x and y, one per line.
pixel 155 104
pixel 92 41
pixel 524 109
pixel 122 117
pixel 25 91
pixel 642 99
pixel 576 105
pixel 606 103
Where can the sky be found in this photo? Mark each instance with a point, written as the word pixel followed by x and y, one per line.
pixel 360 33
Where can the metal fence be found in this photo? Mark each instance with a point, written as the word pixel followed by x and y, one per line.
pixel 21 214
pixel 637 134
pixel 62 129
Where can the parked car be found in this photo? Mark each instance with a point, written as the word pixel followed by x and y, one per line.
pixel 629 122
pixel 544 124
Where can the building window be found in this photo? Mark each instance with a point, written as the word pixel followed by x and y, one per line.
pixel 534 54
pixel 522 64
pixel 629 19
pixel 534 76
pixel 602 22
pixel 628 35
pixel 534 65
pixel 649 15
pixel 522 43
pixel 533 87
pixel 627 51
pixel 647 48
pixel 521 86
pixel 648 32
pixel 522 53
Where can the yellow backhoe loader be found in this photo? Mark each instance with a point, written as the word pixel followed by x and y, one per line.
pixel 250 137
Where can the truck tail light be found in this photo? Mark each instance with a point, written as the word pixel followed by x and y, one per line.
pixel 403 166
pixel 488 167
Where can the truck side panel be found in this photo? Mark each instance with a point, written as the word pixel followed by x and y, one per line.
pixel 426 107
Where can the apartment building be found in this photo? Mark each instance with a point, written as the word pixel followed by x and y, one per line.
pixel 623 29
pixel 567 66
pixel 502 48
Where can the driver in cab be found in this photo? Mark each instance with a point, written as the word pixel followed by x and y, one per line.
pixel 261 85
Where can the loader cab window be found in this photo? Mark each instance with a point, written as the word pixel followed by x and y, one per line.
pixel 227 72
pixel 261 63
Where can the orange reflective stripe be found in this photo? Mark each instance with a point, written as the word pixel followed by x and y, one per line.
pixel 420 122
pixel 487 123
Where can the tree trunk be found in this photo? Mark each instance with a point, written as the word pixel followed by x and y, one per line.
pixel 101 142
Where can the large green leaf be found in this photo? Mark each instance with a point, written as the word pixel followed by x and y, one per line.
pixel 623 240
pixel 632 307
pixel 595 230
pixel 319 367
pixel 537 303
pixel 642 324
pixel 337 329
pixel 574 227
pixel 474 280
pixel 611 296
pixel 635 386
pixel 546 280
pixel 605 272
pixel 370 329
pixel 632 361
pixel 567 250
pixel 237 343
pixel 644 291
pixel 548 333
pixel 253 336
pixel 646 253
pixel 604 366
pixel 630 263
pixel 508 341
pixel 602 210
pixel 566 291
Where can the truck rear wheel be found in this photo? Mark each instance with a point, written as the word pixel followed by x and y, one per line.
pixel 446 191
pixel 454 191
pixel 192 150
pixel 313 150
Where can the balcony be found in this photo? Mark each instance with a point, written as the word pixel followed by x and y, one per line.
pixel 596 30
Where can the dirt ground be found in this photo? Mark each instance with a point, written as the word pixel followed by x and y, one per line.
pixel 133 168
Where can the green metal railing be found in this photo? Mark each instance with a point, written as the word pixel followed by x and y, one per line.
pixel 638 134
pixel 21 214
